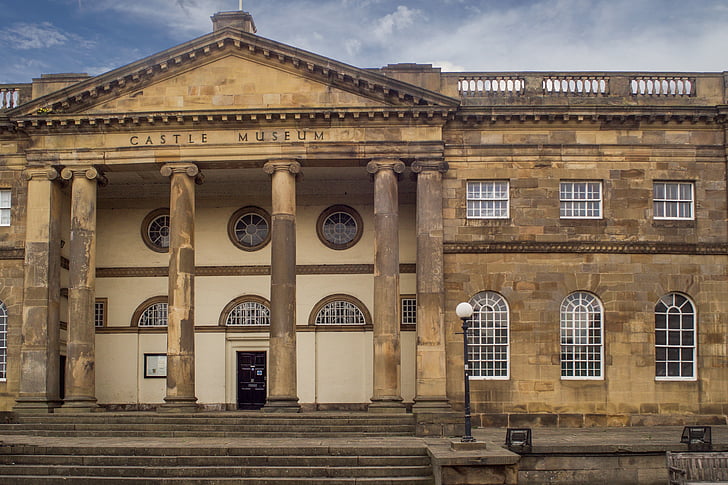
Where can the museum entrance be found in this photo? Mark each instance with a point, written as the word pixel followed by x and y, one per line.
pixel 251 380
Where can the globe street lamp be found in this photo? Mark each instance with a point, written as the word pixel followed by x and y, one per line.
pixel 464 311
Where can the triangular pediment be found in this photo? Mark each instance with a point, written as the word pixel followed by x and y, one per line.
pixel 231 70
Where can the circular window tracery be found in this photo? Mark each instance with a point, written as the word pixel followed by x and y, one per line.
pixel 155 230
pixel 339 227
pixel 249 228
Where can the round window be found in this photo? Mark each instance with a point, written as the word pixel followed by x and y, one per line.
pixel 339 227
pixel 249 228
pixel 155 230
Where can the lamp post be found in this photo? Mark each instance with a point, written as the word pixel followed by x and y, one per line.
pixel 464 311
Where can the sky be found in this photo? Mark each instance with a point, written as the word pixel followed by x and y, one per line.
pixel 96 36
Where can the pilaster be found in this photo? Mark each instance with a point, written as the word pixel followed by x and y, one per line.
pixel 431 363
pixel 40 343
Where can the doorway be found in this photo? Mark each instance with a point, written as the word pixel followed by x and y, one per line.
pixel 251 380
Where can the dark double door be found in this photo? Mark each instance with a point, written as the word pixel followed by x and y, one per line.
pixel 251 380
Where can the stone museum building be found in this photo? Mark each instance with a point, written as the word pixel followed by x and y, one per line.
pixel 235 223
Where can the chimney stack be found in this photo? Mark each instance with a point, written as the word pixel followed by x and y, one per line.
pixel 238 19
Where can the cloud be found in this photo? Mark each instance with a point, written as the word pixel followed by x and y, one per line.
pixel 32 36
pixel 401 18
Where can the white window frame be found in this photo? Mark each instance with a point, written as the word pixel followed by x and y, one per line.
pixel 408 310
pixel 578 312
pixel 5 207
pixel 488 328
pixel 340 312
pixel 246 311
pixel 485 199
pixel 576 197
pixel 660 199
pixel 100 312
pixel 669 302
pixel 3 342
pixel 153 312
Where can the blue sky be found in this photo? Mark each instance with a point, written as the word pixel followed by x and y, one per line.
pixel 94 36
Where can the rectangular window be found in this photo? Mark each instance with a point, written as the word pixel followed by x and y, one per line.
pixel 581 200
pixel 673 200
pixel 487 199
pixel 100 312
pixel 408 310
pixel 4 207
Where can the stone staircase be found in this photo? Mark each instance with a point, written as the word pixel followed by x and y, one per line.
pixel 291 464
pixel 213 448
pixel 223 425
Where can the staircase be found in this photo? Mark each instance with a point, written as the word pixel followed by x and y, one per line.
pixel 213 448
pixel 221 425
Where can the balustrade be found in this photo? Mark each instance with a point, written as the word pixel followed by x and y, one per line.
pixel 575 85
pixel 495 85
pixel 13 95
pixel 662 86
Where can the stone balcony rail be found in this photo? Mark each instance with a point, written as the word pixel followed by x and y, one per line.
pixel 12 95
pixel 586 88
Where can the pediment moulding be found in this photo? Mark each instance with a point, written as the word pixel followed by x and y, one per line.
pixel 232 41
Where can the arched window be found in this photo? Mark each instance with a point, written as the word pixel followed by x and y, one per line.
pixel 246 311
pixel 675 338
pixel 489 336
pixel 3 341
pixel 581 337
pixel 152 313
pixel 340 310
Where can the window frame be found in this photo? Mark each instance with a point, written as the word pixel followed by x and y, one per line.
pixel 104 304
pixel 479 301
pixel 681 332
pixel 146 223
pixel 493 199
pixel 577 202
pixel 666 201
pixel 410 312
pixel 588 344
pixel 336 209
pixel 146 305
pixel 313 317
pixel 9 207
pixel 233 222
pixel 241 300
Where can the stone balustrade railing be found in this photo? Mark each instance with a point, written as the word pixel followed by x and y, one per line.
pixel 12 95
pixel 641 88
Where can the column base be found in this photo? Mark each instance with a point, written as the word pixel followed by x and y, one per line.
pixel 387 406
pixel 282 405
pixel 178 405
pixel 25 405
pixel 78 405
pixel 431 405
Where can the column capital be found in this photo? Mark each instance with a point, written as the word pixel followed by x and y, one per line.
pixel 189 169
pixel 88 172
pixel 377 164
pixel 47 173
pixel 290 165
pixel 419 166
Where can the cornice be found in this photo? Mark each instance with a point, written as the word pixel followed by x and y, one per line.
pixel 617 114
pixel 718 249
pixel 251 270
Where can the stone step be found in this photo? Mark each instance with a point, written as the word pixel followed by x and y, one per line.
pixel 192 460
pixel 202 434
pixel 329 428
pixel 289 471
pixel 45 480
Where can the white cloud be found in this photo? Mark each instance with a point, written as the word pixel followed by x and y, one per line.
pixel 32 36
pixel 401 18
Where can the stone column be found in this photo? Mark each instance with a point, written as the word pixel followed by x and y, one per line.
pixel 431 376
pixel 181 293
pixel 81 340
pixel 386 397
pixel 282 384
pixel 40 343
